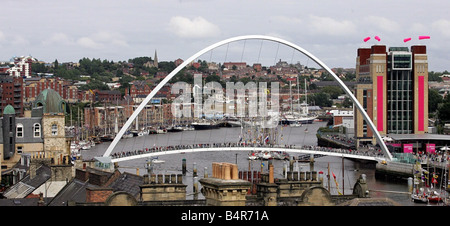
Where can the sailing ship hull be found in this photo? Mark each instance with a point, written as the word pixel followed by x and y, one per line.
pixel 204 126
pixel 233 124
pixel 434 199
pixel 296 121
pixel 175 129
pixel 417 199
pixel 106 138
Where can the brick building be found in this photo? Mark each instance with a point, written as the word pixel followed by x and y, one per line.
pixel 22 67
pixel 392 86
pixel 237 65
pixel 138 88
pixel 11 93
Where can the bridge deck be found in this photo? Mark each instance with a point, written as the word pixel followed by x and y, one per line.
pixel 329 152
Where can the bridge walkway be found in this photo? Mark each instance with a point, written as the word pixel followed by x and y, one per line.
pixel 364 154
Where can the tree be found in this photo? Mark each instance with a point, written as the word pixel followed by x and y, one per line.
pixel 94 84
pixel 322 99
pixel 347 103
pixel 435 76
pixel 38 68
pixel 444 112
pixel 434 99
pixel 334 91
pixel 56 64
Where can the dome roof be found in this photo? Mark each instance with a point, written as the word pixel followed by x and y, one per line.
pixel 51 102
pixel 9 110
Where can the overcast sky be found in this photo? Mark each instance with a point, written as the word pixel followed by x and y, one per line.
pixel 119 30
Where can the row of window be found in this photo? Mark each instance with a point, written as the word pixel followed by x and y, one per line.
pixel 36 130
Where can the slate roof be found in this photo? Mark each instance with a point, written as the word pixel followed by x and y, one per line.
pixel 129 183
pixel 27 185
pixel 75 191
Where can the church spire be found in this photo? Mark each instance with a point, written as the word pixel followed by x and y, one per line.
pixel 155 60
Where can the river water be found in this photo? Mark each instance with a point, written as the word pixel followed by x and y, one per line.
pixel 396 191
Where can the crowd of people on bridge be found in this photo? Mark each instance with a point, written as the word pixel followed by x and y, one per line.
pixel 361 151
pixel 341 139
pixel 364 151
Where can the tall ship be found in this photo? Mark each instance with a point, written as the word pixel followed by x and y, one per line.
pixel 295 118
pixel 203 125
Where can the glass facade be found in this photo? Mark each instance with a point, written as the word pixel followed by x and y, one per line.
pixel 399 94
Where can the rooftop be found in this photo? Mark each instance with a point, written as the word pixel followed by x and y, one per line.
pixel 426 136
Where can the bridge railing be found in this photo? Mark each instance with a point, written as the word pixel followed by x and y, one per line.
pixel 362 151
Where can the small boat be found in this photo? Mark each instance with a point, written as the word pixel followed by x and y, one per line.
pixel 265 155
pixel 157 161
pixel 86 146
pixel 295 124
pixel 175 129
pixel 434 197
pixel 280 155
pixel 252 156
pixel 419 198
pixel 127 134
pixel 74 148
pixel 188 128
pixel 161 130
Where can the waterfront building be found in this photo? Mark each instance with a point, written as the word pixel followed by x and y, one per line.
pixel 138 88
pixel 22 67
pixel 11 93
pixel 392 86
pixel 34 86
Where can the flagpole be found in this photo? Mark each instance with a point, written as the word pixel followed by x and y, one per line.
pixel 343 178
pixel 328 176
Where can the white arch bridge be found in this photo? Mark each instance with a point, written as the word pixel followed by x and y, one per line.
pixel 344 153
pixel 358 106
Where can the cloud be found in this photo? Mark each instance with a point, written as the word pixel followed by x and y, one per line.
pixel 330 26
pixel 198 27
pixel 417 28
pixel 382 23
pixel 102 39
pixel 97 40
pixel 89 43
pixel 58 38
pixel 2 36
pixel 286 20
pixel 19 40
pixel 442 26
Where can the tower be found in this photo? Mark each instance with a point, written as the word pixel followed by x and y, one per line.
pixel 9 132
pixel 420 79
pixel 155 60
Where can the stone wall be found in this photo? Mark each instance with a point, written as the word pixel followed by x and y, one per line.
pixel 163 187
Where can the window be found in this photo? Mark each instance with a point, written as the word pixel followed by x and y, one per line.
pixel 54 130
pixel 37 130
pixel 19 131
